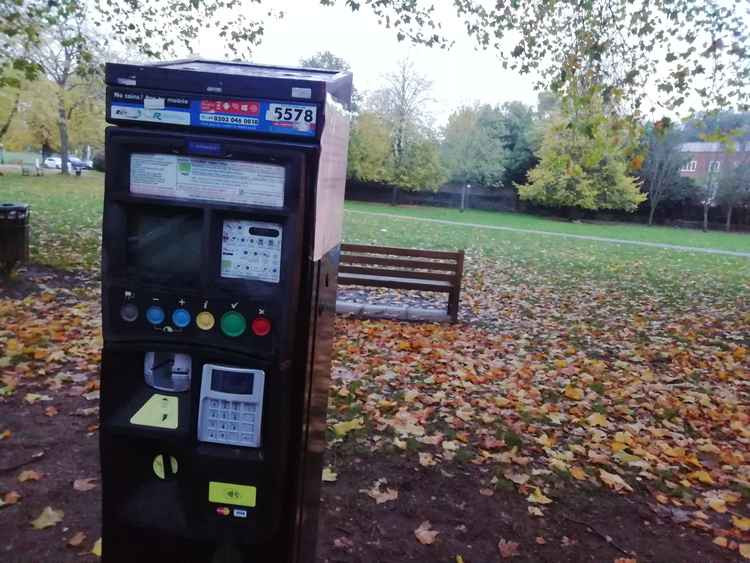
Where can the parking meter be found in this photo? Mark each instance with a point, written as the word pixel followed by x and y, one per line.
pixel 222 223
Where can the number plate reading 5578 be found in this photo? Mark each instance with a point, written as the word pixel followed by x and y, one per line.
pixel 291 113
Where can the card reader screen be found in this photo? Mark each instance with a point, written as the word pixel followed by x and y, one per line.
pixel 232 382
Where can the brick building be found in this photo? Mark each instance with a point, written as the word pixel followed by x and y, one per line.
pixel 702 157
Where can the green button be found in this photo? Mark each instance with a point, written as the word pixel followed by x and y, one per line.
pixel 233 323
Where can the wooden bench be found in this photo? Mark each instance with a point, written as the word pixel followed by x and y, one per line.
pixel 404 268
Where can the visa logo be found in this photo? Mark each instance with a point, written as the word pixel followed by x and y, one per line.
pixel 240 513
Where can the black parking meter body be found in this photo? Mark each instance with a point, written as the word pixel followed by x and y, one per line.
pixel 222 222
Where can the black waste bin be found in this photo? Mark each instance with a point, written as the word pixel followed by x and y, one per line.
pixel 14 236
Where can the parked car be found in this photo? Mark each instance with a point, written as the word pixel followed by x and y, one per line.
pixel 53 162
pixel 76 162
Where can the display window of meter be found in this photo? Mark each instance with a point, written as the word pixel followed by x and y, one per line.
pixel 251 250
pixel 231 405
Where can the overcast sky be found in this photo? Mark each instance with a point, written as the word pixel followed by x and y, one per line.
pixel 460 75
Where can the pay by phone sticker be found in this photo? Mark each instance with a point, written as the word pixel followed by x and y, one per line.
pixel 208 179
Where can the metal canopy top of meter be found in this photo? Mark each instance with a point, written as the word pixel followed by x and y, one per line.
pixel 247 80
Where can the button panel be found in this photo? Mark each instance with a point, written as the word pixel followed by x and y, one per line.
pixel 235 323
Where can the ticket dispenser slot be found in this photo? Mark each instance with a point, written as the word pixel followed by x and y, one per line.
pixel 167 371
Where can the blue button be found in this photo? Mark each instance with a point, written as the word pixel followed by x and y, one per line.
pixel 155 315
pixel 181 318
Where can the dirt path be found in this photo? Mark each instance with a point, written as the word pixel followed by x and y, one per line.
pixel 562 235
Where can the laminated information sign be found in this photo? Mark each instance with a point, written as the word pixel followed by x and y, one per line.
pixel 208 179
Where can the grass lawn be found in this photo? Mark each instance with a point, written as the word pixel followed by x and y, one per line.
pixel 66 233
pixel 559 262
pixel 685 237
pixel 66 216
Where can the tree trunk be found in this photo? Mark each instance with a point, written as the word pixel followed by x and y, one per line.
pixel 729 218
pixel 11 115
pixel 62 124
pixel 651 214
pixel 394 195
pixel 705 217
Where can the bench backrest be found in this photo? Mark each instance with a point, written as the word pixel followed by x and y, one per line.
pixel 402 262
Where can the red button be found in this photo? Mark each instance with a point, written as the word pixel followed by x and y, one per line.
pixel 261 326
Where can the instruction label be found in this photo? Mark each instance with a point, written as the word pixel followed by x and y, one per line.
pixel 251 250
pixel 160 411
pixel 210 179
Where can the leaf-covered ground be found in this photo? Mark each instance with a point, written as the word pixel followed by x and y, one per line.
pixel 592 404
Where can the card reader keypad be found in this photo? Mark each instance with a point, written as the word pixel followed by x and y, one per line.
pixel 231 405
pixel 232 422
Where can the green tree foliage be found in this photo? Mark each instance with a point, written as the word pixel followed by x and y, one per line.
pixel 521 139
pixel 421 168
pixel 472 149
pixel 679 48
pixel 370 149
pixel 584 160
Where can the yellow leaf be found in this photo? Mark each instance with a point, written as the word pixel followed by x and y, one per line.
pixel 578 473
pixel 717 504
pixel 702 476
pixel 535 511
pixel 613 481
pixel 573 393
pixel 343 428
pixel 329 475
pixel 721 541
pixel 97 549
pixel 538 498
pixel 29 475
pixel 741 523
pixel 597 419
pixel 459 559
pixel 49 517
pixel 745 550
pixel 13 347
pixel 545 441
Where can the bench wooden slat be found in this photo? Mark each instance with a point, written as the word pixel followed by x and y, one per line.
pixel 347 269
pixel 397 251
pixel 352 259
pixel 395 283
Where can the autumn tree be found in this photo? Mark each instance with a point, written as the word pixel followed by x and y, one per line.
pixel 584 160
pixel 734 187
pixel 473 149
pixel 403 105
pixel 370 149
pixel 661 167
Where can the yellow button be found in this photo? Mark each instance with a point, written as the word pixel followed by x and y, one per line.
pixel 205 320
pixel 229 493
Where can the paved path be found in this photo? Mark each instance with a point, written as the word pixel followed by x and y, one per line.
pixel 564 235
